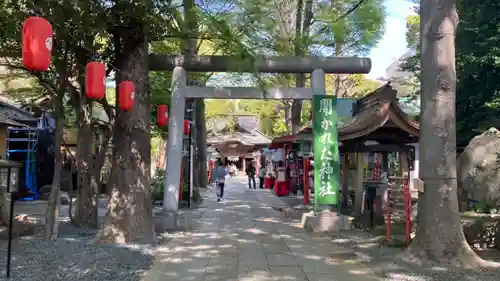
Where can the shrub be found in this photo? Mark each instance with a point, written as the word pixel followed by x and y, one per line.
pixel 158 185
pixel 482 208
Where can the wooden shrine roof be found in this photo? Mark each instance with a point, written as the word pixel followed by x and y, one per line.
pixel 248 139
pixel 245 132
pixel 378 109
pixel 375 110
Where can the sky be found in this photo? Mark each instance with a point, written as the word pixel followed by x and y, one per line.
pixel 393 44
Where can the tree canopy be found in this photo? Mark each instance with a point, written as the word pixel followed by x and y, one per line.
pixel 478 69
pixel 477 66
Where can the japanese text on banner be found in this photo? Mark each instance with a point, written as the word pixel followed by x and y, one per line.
pixel 326 153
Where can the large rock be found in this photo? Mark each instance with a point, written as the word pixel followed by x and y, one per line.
pixel 478 169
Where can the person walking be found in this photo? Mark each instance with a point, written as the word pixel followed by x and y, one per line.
pixel 220 179
pixel 251 175
pixel 232 168
pixel 262 175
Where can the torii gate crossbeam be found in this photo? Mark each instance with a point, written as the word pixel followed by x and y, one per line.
pixel 282 64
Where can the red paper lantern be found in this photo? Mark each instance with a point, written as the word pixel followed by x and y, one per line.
pixel 126 94
pixel 187 127
pixel 95 80
pixel 162 115
pixel 37 43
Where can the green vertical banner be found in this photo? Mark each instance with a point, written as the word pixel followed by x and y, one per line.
pixel 326 151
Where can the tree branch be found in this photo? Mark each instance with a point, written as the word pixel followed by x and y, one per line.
pixel 350 11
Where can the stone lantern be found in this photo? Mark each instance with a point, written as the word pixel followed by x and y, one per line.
pixel 9 183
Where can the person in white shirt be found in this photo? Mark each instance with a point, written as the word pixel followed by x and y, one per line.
pixel 234 170
pixel 262 175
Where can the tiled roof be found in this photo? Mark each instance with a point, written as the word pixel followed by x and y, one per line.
pixel 374 111
pixel 11 112
pixel 241 137
pixel 246 131
pixel 6 121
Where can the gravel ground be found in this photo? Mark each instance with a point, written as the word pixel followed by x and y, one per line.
pixel 393 266
pixel 73 258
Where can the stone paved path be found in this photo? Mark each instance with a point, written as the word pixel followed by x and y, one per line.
pixel 243 238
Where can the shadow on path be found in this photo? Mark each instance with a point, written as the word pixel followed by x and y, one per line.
pixel 243 238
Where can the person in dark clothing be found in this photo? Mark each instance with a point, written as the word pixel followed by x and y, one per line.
pixel 251 176
pixel 220 178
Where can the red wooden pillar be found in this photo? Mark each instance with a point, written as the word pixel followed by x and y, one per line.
pixel 180 185
pixel 389 206
pixel 407 201
pixel 209 171
pixel 306 180
pixel 376 177
pixel 285 154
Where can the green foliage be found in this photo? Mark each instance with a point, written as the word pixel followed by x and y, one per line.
pixel 482 208
pixel 355 33
pixel 19 85
pixel 160 81
pixel 156 145
pixel 271 121
pixel 111 96
pixel 478 68
pixel 158 185
pixel 353 85
pixel 413 31
pixel 410 86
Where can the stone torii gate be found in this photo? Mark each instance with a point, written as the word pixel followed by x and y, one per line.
pixel 317 66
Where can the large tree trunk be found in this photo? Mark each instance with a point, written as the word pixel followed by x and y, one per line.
pixel 85 213
pixel 300 78
pixel 101 153
pixel 201 142
pixel 129 218
pixel 287 112
pixel 439 234
pixel 84 209
pixel 303 21
pixel 52 211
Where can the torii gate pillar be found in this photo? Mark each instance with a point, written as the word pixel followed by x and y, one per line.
pixel 175 144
